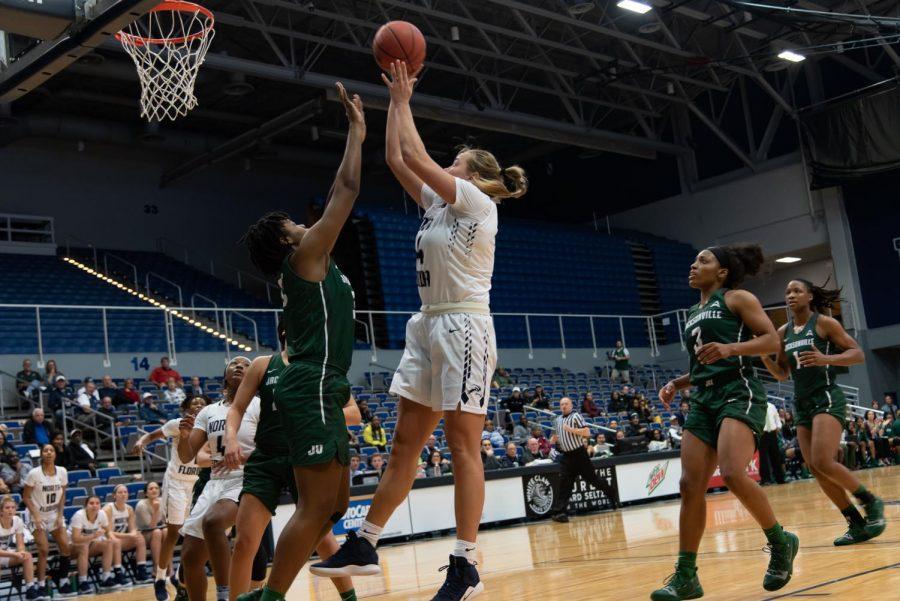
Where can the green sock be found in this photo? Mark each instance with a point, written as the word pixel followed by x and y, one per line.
pixel 863 495
pixel 349 595
pixel 688 560
pixel 853 516
pixel 775 534
pixel 270 595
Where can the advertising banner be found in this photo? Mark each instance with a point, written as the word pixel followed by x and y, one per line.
pixel 648 479
pixel 587 498
pixel 752 470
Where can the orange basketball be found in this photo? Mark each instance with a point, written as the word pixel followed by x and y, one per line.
pixel 399 40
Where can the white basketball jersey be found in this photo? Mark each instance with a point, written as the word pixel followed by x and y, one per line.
pixel 87 526
pixel 46 491
pixel 455 246
pixel 119 518
pixel 178 469
pixel 9 535
pixel 212 421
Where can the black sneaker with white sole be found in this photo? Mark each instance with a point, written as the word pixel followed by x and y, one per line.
pixel 160 590
pixel 462 581
pixel 65 590
pixel 356 557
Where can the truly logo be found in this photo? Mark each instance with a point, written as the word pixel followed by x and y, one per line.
pixel 656 477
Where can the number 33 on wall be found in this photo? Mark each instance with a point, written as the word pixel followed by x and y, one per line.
pixel 140 364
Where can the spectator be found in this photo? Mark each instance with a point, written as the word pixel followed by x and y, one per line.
pixel 62 452
pixel 501 378
pixel 488 459
pixel 588 406
pixel 37 430
pixel 436 465
pixel 13 474
pixel 83 411
pixel 538 433
pixel 7 451
pixel 28 380
pixel 621 369
pixel 540 400
pixel 172 393
pixel 683 409
pixel 127 395
pixel 430 447
pixel 364 411
pixel 883 439
pixel 515 402
pixel 615 402
pixel 107 388
pixel 160 375
pixel 109 410
pixel 50 372
pixel 520 431
pixel 620 436
pixel 657 442
pixel 83 387
pixel 533 452
pixel 491 434
pixel 788 428
pixel 354 440
pixel 374 435
pixel 635 427
pixel 196 388
pixel 888 406
pixel 80 455
pixel 60 397
pixel 149 411
pixel 602 448
pixel 676 432
pixel 355 466
pixel 376 464
pixel 627 396
pixel 511 457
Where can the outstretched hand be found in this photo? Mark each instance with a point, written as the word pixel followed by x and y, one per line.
pixel 354 109
pixel 399 83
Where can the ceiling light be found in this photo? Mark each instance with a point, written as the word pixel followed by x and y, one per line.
pixel 634 6
pixel 790 55
pixel 788 260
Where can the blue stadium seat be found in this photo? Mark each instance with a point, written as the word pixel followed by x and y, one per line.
pixel 76 491
pixel 103 490
pixel 108 472
pixel 75 476
pixel 69 511
pixel 134 488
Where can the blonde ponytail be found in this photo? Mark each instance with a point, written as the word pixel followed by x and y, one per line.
pixel 508 182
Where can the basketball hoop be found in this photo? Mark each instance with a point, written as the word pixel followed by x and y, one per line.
pixel 168 44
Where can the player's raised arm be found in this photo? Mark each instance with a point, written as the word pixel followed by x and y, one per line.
pixel 193 436
pixel 412 149
pixel 321 237
pixel 411 182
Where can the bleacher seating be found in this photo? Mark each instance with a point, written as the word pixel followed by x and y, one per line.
pixel 532 258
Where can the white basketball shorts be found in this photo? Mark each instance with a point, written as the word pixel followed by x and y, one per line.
pixel 214 491
pixel 175 500
pixel 448 361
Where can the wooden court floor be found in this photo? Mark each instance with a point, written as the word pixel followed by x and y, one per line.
pixel 625 554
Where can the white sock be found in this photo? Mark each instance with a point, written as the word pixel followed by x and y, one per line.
pixel 117 568
pixel 32 584
pixel 370 532
pixel 161 573
pixel 221 593
pixel 106 575
pixel 464 548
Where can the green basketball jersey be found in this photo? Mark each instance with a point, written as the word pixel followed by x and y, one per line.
pixel 270 435
pixel 814 378
pixel 621 358
pixel 714 322
pixel 318 317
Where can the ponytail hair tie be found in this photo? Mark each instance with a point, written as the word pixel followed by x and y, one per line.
pixel 503 172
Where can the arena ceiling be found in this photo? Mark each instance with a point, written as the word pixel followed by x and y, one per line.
pixel 694 84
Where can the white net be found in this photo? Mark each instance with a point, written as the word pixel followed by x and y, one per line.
pixel 168 45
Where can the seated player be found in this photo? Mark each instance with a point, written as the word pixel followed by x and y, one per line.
pixel 124 530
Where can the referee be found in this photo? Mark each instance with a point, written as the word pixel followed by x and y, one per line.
pixel 570 435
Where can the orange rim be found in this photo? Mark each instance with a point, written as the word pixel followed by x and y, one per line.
pixel 171 6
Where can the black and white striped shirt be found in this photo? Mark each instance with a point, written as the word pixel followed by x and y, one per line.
pixel 567 441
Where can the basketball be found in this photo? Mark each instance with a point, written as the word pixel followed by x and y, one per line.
pixel 399 40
